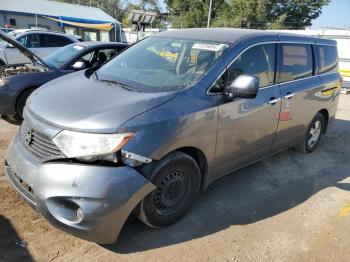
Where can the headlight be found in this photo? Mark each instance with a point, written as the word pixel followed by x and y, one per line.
pixel 77 144
pixel 3 82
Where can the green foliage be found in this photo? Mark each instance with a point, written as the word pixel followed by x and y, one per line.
pixel 261 14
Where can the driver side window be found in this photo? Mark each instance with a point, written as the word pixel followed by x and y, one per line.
pixel 259 60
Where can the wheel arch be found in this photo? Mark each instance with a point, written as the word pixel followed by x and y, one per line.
pixel 200 159
pixel 325 114
pixel 22 92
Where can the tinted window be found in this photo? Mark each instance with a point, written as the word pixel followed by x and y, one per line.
pixel 30 41
pixel 296 62
pixel 328 57
pixel 53 40
pixel 259 61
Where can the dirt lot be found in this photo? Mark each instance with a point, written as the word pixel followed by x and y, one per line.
pixel 289 207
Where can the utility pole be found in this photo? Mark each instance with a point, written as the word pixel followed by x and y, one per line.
pixel 209 14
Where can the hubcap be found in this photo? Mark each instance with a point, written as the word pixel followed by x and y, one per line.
pixel 314 134
pixel 171 193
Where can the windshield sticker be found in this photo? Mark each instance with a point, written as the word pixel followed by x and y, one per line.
pixel 209 47
pixel 78 47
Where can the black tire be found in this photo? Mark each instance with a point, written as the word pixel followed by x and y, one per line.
pixel 21 102
pixel 178 179
pixel 311 141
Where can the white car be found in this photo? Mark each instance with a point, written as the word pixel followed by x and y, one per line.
pixel 40 42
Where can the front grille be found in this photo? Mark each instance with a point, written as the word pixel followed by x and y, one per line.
pixel 40 145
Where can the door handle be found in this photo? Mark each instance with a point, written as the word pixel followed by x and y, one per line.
pixel 274 101
pixel 289 96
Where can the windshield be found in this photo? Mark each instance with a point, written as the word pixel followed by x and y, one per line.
pixel 162 64
pixel 62 55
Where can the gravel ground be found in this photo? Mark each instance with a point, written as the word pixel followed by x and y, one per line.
pixel 288 207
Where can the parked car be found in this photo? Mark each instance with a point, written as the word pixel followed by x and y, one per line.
pixel 19 81
pixel 40 42
pixel 148 130
pixel 6 30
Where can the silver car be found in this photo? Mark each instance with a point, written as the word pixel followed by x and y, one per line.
pixel 154 126
pixel 40 42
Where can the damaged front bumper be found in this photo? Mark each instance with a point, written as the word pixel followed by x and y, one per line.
pixel 104 196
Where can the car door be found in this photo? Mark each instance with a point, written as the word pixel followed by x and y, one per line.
pixel 247 127
pixel 298 84
pixel 49 43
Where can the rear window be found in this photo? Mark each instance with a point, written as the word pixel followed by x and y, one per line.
pixel 296 62
pixel 328 57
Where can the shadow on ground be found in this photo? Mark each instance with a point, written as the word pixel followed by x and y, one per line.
pixel 9 251
pixel 254 193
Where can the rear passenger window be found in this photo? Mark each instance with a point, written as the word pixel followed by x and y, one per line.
pixel 47 40
pixel 259 61
pixel 296 62
pixel 328 57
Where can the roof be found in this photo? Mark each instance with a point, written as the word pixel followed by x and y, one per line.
pixel 56 9
pixel 99 43
pixel 233 35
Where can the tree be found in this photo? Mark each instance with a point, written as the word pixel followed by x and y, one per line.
pixel 262 14
pixel 192 13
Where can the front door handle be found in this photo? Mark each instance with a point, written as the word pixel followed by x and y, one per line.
pixel 289 96
pixel 274 101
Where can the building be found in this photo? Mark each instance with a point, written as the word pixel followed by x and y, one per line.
pixel 89 22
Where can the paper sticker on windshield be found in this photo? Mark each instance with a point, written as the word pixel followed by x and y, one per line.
pixel 78 47
pixel 208 47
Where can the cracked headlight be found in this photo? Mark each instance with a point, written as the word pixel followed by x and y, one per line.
pixel 77 144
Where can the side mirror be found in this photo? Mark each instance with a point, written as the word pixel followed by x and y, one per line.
pixel 10 46
pixel 79 65
pixel 245 86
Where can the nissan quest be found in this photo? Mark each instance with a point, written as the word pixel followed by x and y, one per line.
pixel 149 130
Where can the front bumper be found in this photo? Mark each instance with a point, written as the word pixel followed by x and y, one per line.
pixel 106 195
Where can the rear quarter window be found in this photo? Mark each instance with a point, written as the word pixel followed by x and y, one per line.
pixel 296 62
pixel 328 59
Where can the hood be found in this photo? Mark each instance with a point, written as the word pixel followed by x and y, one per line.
pixel 33 57
pixel 76 102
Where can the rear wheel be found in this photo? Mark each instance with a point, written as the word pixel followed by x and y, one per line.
pixel 313 135
pixel 177 178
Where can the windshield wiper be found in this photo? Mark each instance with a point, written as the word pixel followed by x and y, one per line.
pixel 125 86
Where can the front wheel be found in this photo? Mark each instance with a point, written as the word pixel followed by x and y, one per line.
pixel 177 178
pixel 313 135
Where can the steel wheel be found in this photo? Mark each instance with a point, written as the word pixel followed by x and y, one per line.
pixel 177 178
pixel 173 190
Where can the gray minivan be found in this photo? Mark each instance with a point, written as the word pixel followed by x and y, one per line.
pixel 160 122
